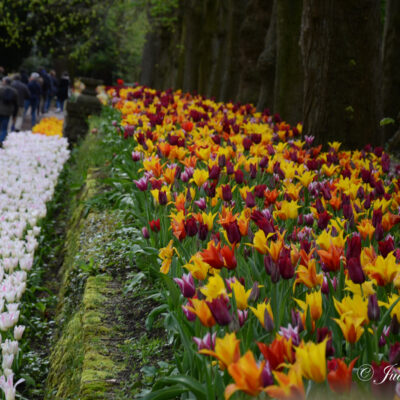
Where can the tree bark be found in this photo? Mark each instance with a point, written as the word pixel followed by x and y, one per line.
pixel 340 50
pixel 289 70
pixel 231 70
pixel 266 66
pixel 149 58
pixel 391 67
pixel 193 34
pixel 251 44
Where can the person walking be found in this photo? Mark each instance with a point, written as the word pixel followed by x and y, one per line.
pixel 36 92
pixel 23 95
pixel 54 86
pixel 46 89
pixel 8 106
pixel 63 89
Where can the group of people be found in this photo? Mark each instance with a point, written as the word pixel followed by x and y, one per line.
pixel 21 93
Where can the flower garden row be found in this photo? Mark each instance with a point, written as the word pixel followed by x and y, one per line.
pixel 285 256
pixel 29 168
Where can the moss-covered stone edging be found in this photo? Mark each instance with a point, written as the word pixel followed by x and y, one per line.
pixel 81 363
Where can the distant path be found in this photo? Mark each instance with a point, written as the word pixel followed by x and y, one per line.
pixel 26 124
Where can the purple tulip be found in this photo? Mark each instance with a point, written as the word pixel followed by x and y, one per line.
pixel 186 284
pixel 207 342
pixel 142 183
pixel 355 270
pixel 220 311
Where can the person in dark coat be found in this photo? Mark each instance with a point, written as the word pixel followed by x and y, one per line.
pixel 62 94
pixel 36 92
pixel 23 95
pixel 8 107
pixel 46 89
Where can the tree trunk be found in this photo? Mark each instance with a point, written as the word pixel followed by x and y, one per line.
pixel 289 70
pixel 251 44
pixel 266 66
pixel 149 58
pixel 340 50
pixel 391 66
pixel 193 34
pixel 231 71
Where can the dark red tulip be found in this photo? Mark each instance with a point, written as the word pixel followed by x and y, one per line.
pixel 353 247
pixel 233 232
pixel 220 311
pixel 394 353
pixel 155 225
pixel 323 220
pixel 191 226
pixel 250 200
pixel 239 176
pixel 355 270
pixel 386 246
pixel 286 268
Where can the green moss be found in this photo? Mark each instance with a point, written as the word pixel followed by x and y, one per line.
pixel 66 362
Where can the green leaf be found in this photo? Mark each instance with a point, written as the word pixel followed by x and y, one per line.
pixel 166 393
pixel 190 383
pixel 155 313
pixel 386 121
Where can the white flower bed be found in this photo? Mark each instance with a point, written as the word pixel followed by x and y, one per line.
pixel 29 168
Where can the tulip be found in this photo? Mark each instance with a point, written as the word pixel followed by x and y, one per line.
pixel 212 255
pixel 247 376
pixel 312 359
pixel 278 352
pixel 155 225
pixel 386 246
pixel 242 316
pixel 207 342
pixel 18 332
pixel 394 354
pixel 239 176
pixel 355 270
pixel 220 311
pixel 214 172
pixel 340 375
pixel 226 193
pixel 323 220
pixel 228 255
pixel 264 314
pixel 186 284
pixel 289 386
pixel 135 156
pixel 381 386
pixel 285 265
pixel 8 387
pixel 271 268
pixel 226 350
pixel 374 311
pixel 202 311
pixel 191 226
pixel 142 183
pixel 322 334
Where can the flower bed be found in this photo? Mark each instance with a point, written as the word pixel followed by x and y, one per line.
pixel 280 261
pixel 29 167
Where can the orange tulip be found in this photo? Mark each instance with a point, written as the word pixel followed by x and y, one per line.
pixel 247 376
pixel 289 387
pixel 332 257
pixel 200 308
pixel 340 375
pixel 278 352
pixel 212 255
